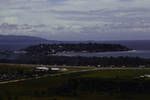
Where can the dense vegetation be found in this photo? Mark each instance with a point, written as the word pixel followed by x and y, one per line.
pixel 80 61
pixel 46 49
pixel 12 73
pixel 97 85
pixel 83 61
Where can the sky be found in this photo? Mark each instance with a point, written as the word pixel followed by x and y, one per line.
pixel 76 19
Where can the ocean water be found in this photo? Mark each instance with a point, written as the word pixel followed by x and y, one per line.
pixel 133 53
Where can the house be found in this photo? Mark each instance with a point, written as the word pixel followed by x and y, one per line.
pixel 55 69
pixel 98 66
pixel 58 69
pixel 123 66
pixel 145 76
pixel 64 69
pixel 42 69
pixel 20 52
pixel 141 66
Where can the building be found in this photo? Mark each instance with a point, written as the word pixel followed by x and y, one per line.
pixel 145 76
pixel 98 66
pixel 55 69
pixel 64 69
pixel 141 66
pixel 20 52
pixel 42 69
pixel 59 69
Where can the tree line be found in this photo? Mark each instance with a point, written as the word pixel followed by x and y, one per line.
pixel 80 61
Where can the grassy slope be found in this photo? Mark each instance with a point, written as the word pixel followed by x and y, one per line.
pixel 45 89
pixel 120 73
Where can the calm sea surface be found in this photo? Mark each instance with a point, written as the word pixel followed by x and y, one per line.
pixel 134 53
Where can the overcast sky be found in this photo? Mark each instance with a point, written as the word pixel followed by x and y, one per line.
pixel 76 19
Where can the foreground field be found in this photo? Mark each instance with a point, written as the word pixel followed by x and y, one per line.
pixel 10 73
pixel 101 84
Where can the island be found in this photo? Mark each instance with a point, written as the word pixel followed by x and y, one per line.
pixel 46 49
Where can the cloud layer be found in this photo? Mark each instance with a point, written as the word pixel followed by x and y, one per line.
pixel 76 19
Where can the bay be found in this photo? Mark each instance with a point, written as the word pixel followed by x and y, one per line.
pixel 133 53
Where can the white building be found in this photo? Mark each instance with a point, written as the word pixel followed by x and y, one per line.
pixel 145 76
pixel 59 69
pixel 42 68
pixel 55 69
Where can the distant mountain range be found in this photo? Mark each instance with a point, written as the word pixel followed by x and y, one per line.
pixel 22 39
pixel 13 42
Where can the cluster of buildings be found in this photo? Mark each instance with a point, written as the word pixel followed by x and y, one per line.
pixel 114 66
pixel 43 68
